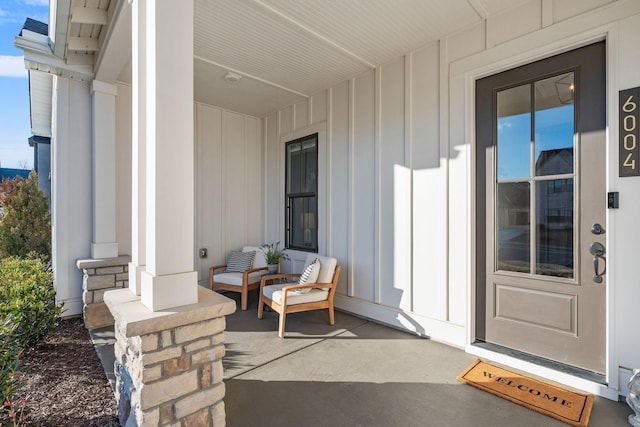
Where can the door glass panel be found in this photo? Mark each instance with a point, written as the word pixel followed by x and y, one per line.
pixel 514 132
pixel 554 227
pixel 513 222
pixel 554 125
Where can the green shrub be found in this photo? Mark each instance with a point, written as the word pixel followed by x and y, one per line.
pixel 25 225
pixel 28 296
pixel 10 352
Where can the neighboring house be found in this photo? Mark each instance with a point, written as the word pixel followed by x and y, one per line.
pixel 10 173
pixel 179 132
pixel 42 162
pixel 40 86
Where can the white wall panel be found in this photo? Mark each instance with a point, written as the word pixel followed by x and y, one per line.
pixel 395 244
pixel 458 212
pixel 429 188
pixel 123 166
pixel 274 185
pixel 565 9
pixel 467 42
pixel 286 120
pixel 364 262
pixel 229 168
pixel 301 114
pixel 523 19
pixel 253 168
pixel 319 107
pixel 235 182
pixel 209 170
pixel 339 183
pixel 71 188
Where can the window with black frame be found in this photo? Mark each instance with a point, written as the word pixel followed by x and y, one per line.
pixel 301 190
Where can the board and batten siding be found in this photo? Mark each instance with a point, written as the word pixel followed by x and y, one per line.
pixel 382 190
pixel 228 185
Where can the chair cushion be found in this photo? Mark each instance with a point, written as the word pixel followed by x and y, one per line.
pixel 258 259
pixel 239 262
pixel 327 267
pixel 309 275
pixel 274 293
pixel 235 279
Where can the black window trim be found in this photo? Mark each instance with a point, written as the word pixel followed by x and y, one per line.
pixel 289 196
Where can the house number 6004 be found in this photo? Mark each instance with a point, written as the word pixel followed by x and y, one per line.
pixel 629 153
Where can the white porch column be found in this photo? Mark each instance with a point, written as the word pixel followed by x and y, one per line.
pixel 103 120
pixel 169 279
pixel 138 152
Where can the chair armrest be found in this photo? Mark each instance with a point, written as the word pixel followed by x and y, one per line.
pixel 291 288
pixel 253 270
pixel 214 268
pixel 268 277
pixel 307 286
pixel 212 272
pixel 246 273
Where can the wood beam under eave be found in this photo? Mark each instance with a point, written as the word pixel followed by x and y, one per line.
pixel 85 15
pixel 83 44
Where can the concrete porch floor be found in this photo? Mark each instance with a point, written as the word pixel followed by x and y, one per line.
pixel 355 373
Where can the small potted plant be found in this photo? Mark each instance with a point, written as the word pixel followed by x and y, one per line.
pixel 273 254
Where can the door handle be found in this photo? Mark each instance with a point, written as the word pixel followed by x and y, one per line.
pixel 597 250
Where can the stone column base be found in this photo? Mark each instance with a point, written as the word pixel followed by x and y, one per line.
pixel 169 363
pixel 101 275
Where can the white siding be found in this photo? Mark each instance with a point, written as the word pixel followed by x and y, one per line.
pixel 123 168
pixel 229 184
pixel 338 170
pixel 71 188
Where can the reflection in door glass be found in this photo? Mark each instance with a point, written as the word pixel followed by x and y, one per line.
pixel 513 220
pixel 514 132
pixel 554 125
pixel 554 227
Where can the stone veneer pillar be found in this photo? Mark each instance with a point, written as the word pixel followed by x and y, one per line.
pixel 168 364
pixel 99 276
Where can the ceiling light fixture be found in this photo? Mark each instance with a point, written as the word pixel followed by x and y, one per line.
pixel 232 77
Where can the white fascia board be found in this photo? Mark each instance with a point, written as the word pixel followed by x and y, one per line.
pixel 38 56
pixel 36 37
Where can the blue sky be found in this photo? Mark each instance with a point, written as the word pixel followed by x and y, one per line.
pixel 15 126
pixel 554 129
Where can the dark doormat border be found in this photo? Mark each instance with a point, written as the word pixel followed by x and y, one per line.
pixel 566 405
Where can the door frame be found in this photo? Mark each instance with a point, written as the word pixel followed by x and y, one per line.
pixel 527 49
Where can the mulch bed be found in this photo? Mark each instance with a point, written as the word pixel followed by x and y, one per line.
pixel 64 383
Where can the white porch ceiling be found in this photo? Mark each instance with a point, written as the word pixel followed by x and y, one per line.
pixel 286 50
pixel 294 49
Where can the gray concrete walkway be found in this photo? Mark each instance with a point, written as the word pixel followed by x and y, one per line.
pixel 359 373
pixel 355 373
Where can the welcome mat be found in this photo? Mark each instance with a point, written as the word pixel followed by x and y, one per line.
pixel 562 404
